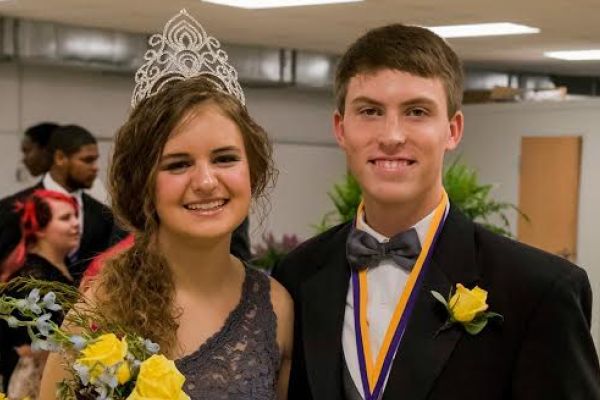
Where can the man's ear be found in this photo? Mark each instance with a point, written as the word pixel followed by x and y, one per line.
pixel 338 129
pixel 457 125
pixel 59 158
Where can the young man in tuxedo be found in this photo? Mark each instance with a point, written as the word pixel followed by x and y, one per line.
pixel 367 325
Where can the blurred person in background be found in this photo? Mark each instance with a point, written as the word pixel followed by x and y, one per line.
pixel 50 231
pixel 37 159
pixel 34 146
pixel 74 152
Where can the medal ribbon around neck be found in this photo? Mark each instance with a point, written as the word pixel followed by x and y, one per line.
pixel 373 374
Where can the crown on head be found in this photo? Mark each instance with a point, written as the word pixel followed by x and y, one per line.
pixel 183 51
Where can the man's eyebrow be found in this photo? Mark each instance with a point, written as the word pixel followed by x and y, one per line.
pixel 366 100
pixel 420 100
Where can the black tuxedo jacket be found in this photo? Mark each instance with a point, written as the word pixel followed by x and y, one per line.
pixel 99 229
pixel 542 349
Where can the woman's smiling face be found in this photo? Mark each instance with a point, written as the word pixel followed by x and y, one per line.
pixel 203 188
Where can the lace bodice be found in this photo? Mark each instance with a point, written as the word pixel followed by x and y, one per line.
pixel 241 361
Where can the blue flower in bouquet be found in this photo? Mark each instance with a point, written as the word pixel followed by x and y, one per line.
pixel 49 302
pixel 152 347
pixel 78 342
pixel 82 372
pixel 12 321
pixel 43 324
pixel 44 345
pixel 30 303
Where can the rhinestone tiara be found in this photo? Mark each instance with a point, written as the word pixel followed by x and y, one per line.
pixel 183 51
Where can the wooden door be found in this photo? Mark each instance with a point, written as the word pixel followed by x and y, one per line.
pixel 549 193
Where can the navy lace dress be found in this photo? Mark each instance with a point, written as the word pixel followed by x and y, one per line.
pixel 241 361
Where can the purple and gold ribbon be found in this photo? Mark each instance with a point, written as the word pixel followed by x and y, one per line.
pixel 374 372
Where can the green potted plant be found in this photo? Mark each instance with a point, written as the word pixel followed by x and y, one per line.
pixel 473 198
pixel 346 196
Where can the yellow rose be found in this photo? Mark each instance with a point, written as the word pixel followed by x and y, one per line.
pixel 106 351
pixel 465 304
pixel 158 379
pixel 2 396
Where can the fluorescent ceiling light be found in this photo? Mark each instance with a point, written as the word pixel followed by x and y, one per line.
pixel 574 55
pixel 474 30
pixel 255 4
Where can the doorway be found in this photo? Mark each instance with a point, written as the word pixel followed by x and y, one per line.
pixel 549 193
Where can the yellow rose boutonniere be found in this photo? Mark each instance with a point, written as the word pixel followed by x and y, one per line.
pixel 158 379
pixel 104 352
pixel 467 307
pixel 2 396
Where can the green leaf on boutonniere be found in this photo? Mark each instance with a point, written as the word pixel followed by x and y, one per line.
pixel 476 326
pixel 490 315
pixel 439 298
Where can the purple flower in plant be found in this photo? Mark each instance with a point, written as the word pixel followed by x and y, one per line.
pixel 271 251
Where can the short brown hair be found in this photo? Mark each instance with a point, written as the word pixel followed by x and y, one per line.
pixel 405 48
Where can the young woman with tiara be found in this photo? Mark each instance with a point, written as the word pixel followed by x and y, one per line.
pixel 50 232
pixel 186 166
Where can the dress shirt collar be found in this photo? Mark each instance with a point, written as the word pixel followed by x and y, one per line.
pixel 421 227
pixel 51 184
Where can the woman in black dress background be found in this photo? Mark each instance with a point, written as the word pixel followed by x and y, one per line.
pixel 50 227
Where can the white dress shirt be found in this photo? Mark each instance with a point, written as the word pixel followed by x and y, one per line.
pixel 385 284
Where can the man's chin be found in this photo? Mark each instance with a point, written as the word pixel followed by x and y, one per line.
pixel 86 184
pixel 389 194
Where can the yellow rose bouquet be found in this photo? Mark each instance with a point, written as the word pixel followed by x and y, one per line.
pixel 467 307
pixel 105 362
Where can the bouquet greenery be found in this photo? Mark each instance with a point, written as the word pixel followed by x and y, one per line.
pixel 104 361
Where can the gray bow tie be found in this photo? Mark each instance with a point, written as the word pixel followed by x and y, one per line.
pixel 363 250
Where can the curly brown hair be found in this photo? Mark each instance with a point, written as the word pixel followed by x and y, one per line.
pixel 137 286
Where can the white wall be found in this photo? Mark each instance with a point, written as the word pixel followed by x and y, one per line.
pixel 9 124
pixel 492 145
pixel 306 174
pixel 298 121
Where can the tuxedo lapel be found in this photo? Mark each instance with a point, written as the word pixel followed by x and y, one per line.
pixel 423 353
pixel 323 305
pixel 95 237
pixel 89 221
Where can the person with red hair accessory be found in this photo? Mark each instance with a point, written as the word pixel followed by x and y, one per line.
pixel 50 231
